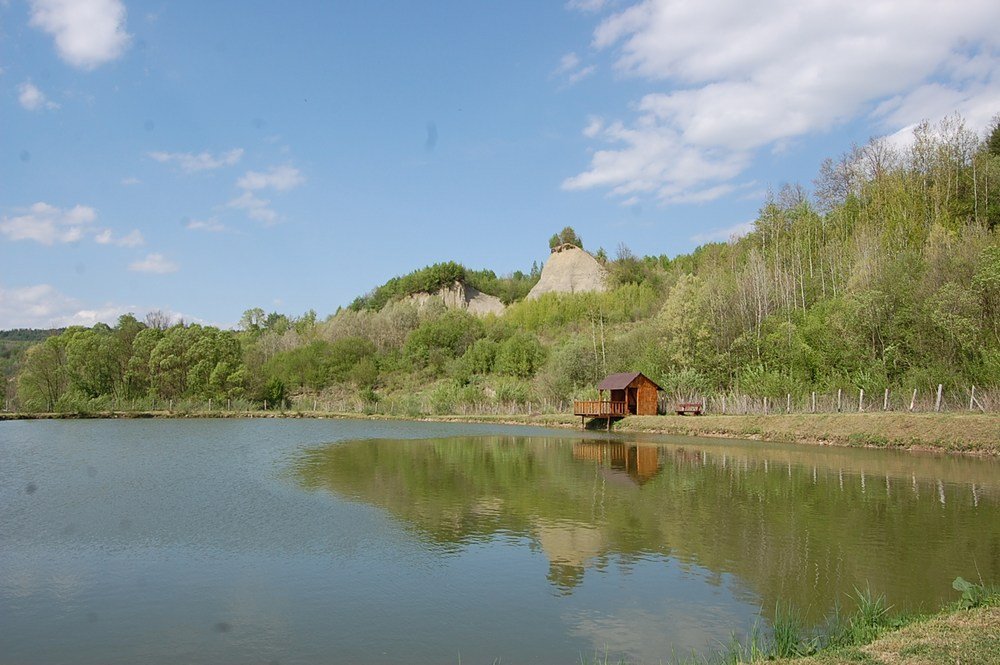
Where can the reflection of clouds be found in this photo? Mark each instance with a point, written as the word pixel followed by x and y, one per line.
pixel 569 543
pixel 678 627
pixel 28 576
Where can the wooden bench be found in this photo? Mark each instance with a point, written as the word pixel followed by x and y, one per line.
pixel 689 408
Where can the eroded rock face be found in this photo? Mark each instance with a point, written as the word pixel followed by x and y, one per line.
pixel 460 296
pixel 570 270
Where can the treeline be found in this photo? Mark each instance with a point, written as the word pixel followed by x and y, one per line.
pixel 431 279
pixel 886 275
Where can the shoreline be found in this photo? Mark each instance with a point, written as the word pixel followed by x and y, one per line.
pixel 953 433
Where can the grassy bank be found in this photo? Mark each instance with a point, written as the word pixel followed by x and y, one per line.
pixel 951 432
pixel 963 636
pixel 948 432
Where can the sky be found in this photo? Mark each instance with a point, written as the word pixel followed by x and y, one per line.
pixel 203 158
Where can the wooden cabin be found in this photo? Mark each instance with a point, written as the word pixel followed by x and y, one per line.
pixel 628 393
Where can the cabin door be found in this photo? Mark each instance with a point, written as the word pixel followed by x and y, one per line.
pixel 631 399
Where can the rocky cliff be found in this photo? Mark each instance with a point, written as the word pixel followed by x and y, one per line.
pixel 460 296
pixel 570 270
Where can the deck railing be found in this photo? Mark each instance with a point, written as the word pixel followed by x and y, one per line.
pixel 599 408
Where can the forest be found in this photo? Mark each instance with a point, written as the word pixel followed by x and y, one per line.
pixel 885 273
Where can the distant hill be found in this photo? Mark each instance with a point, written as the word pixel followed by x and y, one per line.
pixel 28 334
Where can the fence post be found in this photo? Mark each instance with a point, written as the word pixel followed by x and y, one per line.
pixel 972 398
pixel 861 400
pixel 724 403
pixel 209 403
pixel 765 406
pixel 885 400
pixel 937 402
pixel 913 400
pixel 265 405
pixel 788 402
pixel 814 401
pixel 838 400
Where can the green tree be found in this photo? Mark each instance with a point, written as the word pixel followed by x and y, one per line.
pixel 43 380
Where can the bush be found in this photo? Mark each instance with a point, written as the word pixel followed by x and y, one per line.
pixel 447 336
pixel 520 356
pixel 511 390
pixel 480 357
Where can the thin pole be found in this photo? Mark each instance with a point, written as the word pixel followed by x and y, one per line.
pixel 838 400
pixel 913 400
pixel 885 400
pixel 814 402
pixel 861 400
pixel 972 398
pixel 937 403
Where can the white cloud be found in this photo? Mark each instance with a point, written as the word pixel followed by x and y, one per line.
pixel 131 181
pixel 570 69
pixel 154 263
pixel 723 235
pixel 49 224
pixel 88 33
pixel 211 224
pixel 587 6
pixel 568 62
pixel 203 161
pixel 43 306
pixel 132 239
pixel 280 178
pixel 256 208
pixel 33 99
pixel 738 77
pixel 655 161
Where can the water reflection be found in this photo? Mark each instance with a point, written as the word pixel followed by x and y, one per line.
pixel 805 525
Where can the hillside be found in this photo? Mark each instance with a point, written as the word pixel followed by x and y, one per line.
pixel 886 275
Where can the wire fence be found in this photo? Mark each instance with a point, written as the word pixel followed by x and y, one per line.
pixel 854 400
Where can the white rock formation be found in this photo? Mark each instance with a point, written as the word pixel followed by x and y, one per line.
pixel 460 296
pixel 570 270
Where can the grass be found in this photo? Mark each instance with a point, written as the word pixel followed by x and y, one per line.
pixel 970 433
pixel 952 432
pixel 872 635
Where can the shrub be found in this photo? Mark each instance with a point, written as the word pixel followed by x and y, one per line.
pixel 520 356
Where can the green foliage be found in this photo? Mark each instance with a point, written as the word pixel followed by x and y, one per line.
pixel 521 355
pixel 433 278
pixel 321 363
pixel 443 338
pixel 565 237
pixel 480 356
pixel 274 394
pixel 559 311
pixel 973 595
pixel 509 288
pixel 429 280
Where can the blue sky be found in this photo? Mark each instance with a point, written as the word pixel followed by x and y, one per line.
pixel 203 158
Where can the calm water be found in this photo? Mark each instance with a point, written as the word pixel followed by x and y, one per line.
pixel 298 541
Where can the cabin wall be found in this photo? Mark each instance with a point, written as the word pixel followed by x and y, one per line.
pixel 648 401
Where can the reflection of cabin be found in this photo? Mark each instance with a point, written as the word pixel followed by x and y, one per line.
pixel 640 463
pixel 629 393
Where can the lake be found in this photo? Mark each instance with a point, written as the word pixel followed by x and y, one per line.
pixel 320 541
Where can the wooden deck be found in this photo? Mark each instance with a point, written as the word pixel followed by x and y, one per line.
pixel 599 408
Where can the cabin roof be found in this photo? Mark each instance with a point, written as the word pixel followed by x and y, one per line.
pixel 622 380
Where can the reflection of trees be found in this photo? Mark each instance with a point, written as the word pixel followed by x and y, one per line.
pixel 806 531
